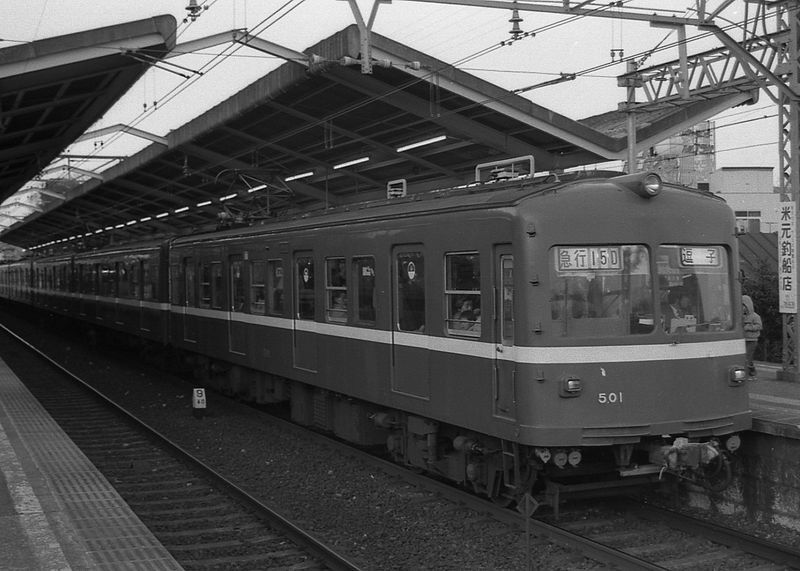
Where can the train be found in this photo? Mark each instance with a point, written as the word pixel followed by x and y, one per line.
pixel 514 336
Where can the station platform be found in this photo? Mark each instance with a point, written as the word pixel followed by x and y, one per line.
pixel 775 403
pixel 57 512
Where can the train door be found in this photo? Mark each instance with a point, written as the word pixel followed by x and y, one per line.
pixel 189 301
pixel 504 405
pixel 305 342
pixel 410 354
pixel 237 333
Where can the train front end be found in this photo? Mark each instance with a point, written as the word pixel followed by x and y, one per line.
pixel 633 355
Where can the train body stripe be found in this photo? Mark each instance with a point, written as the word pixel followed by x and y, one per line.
pixel 523 355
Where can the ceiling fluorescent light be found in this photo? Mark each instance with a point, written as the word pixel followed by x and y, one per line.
pixel 202 204
pixel 421 143
pixel 181 209
pixel 299 176
pixel 257 188
pixel 351 163
pixel 228 197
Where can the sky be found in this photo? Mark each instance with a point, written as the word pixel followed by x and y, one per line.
pixel 474 39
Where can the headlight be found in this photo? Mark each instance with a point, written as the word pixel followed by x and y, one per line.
pixel 737 375
pixel 570 387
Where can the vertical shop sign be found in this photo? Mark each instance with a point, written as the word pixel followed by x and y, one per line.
pixel 787 259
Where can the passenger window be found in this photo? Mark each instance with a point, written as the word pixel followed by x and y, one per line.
pixel 108 280
pixel 205 285
pixel 364 291
pixel 133 276
pixel 257 301
pixel 237 283
pixel 507 276
pixel 191 284
pixel 178 278
pixel 217 286
pixel 411 291
pixel 275 287
pixel 462 293
pixel 124 283
pixel 305 288
pixel 336 290
pixel 149 279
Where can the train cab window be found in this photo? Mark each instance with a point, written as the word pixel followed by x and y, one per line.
pixel 275 287
pixel 336 290
pixel 364 290
pixel 694 289
pixel 217 286
pixel 149 279
pixel 205 285
pixel 237 283
pixel 462 293
pixel 258 271
pixel 601 291
pixel 305 287
pixel 410 301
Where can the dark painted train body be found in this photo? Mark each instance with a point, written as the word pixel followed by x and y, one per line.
pixel 505 335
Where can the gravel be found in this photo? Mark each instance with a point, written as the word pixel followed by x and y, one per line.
pixel 374 519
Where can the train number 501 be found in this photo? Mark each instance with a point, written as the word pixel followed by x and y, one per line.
pixel 609 398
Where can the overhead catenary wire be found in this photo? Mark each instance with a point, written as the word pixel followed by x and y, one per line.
pixel 278 16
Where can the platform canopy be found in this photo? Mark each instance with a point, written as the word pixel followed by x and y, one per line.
pixel 318 133
pixel 52 90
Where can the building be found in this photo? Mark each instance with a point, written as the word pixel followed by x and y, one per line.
pixel 750 193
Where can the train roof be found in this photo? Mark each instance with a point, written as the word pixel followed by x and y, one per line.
pixel 487 195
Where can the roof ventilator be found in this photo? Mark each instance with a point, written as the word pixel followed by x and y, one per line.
pixel 396 188
pixel 505 169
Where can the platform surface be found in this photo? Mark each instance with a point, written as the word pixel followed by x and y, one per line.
pixel 57 512
pixel 775 403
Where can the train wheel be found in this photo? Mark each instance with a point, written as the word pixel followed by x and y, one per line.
pixel 717 475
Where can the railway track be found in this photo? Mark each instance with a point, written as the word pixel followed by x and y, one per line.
pixel 614 536
pixel 204 520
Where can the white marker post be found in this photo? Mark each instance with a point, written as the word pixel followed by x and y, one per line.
pixel 198 402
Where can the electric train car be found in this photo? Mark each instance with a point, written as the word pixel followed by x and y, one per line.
pixel 519 336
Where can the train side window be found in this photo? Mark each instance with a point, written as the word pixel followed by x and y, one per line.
pixel 507 276
pixel 305 287
pixel 336 290
pixel 124 281
pixel 91 278
pixel 217 286
pixel 462 293
pixel 364 290
pixel 237 283
pixel 258 271
pixel 177 279
pixel 190 273
pixel 134 273
pixel 108 280
pixel 275 287
pixel 149 279
pixel 205 285
pixel 410 291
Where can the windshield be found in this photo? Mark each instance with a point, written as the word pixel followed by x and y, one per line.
pixel 601 291
pixel 694 289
